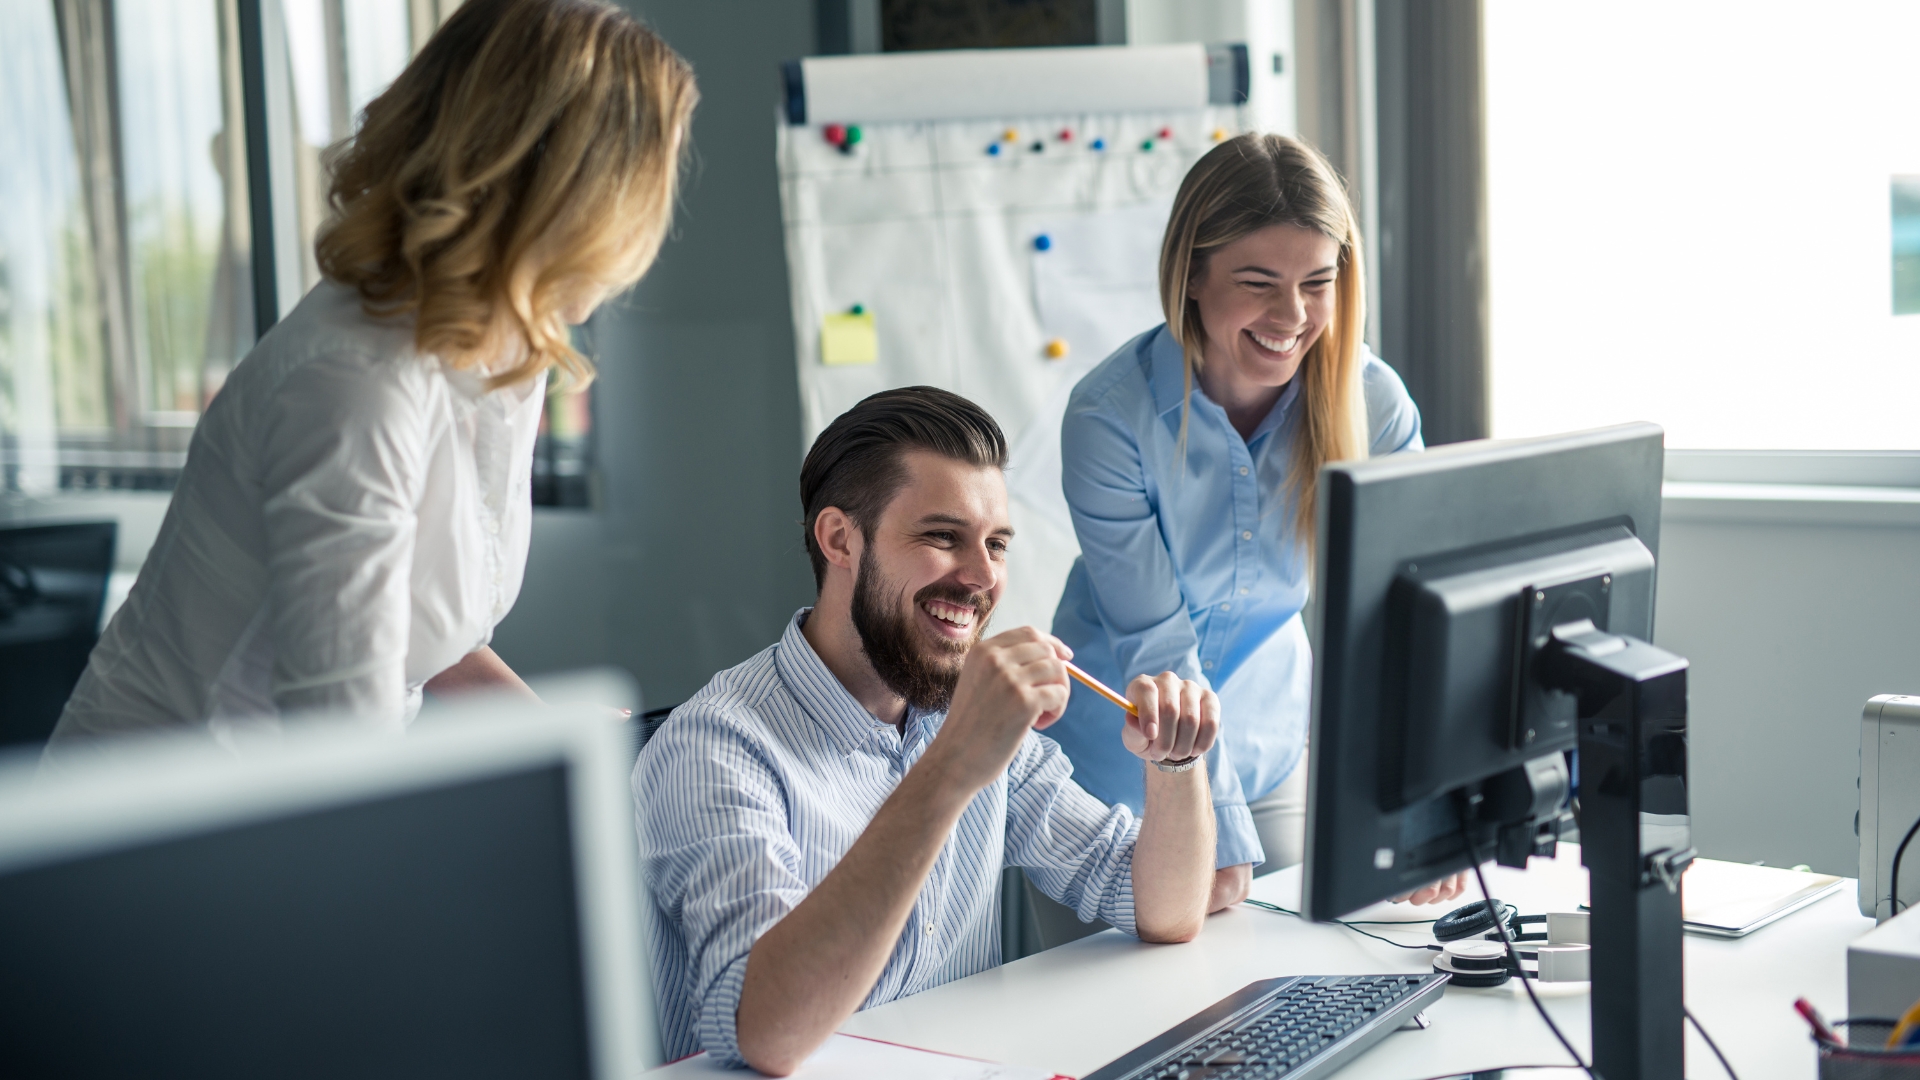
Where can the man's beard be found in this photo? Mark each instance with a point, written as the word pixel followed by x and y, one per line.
pixel 923 671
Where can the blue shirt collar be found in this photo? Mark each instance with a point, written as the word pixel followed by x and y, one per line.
pixel 1166 373
pixel 824 698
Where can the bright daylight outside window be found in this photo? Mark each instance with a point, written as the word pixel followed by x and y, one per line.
pixel 1706 215
pixel 125 252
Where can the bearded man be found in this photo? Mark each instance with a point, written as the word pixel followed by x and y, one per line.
pixel 823 827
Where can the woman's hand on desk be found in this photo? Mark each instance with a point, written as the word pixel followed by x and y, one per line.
pixel 1437 893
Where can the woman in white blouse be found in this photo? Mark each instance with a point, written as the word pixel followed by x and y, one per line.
pixel 353 517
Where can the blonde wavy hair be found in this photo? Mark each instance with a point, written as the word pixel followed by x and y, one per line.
pixel 524 162
pixel 1244 185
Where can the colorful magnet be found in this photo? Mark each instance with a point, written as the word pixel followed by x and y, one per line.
pixel 857 309
pixel 1066 134
pixel 835 134
pixel 1098 144
pixel 1219 134
pixel 993 149
pixel 1043 242
pixel 1010 135
pixel 853 136
pixel 1057 349
pixel 1146 144
pixel 1037 146
pixel 1166 133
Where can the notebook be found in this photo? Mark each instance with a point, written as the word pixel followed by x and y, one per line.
pixel 1730 900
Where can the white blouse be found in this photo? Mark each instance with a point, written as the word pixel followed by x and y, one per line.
pixel 352 521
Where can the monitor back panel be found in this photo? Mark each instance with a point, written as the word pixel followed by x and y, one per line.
pixel 1376 794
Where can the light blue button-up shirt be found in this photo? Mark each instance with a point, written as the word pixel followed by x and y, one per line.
pixel 751 792
pixel 1191 564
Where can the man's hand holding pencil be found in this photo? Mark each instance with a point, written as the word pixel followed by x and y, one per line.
pixel 1169 719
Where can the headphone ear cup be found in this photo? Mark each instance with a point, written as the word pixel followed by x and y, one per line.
pixel 1474 964
pixel 1471 920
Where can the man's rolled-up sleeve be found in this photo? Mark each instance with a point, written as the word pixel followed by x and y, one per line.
pixel 1077 849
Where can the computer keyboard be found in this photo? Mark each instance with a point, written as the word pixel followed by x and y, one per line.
pixel 1296 1027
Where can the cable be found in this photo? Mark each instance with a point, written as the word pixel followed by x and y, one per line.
pixel 1355 927
pixel 1893 892
pixel 1711 1045
pixel 1513 955
pixel 1494 1069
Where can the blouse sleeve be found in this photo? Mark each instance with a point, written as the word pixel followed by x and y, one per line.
pixel 1134 584
pixel 342 447
pixel 1393 419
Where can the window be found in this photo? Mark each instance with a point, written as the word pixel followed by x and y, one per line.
pixel 126 271
pixel 1695 219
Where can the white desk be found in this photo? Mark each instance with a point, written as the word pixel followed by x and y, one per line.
pixel 1074 1008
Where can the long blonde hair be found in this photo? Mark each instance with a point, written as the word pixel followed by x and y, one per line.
pixel 529 153
pixel 1241 186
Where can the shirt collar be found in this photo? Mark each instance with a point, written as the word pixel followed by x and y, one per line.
pixel 1279 411
pixel 1167 370
pixel 819 691
pixel 1167 374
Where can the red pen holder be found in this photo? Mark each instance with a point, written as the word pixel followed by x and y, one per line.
pixel 1866 1057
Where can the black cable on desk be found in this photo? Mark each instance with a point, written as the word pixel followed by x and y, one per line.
pixel 1893 890
pixel 1513 955
pixel 1355 926
pixel 1711 1045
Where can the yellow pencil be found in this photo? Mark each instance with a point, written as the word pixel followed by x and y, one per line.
pixel 1100 688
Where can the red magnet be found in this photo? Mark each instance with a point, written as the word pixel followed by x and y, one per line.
pixel 1066 134
pixel 836 134
pixel 1166 133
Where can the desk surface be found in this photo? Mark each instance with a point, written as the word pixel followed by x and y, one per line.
pixel 1074 1008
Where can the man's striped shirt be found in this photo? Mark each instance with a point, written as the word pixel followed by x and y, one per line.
pixel 750 793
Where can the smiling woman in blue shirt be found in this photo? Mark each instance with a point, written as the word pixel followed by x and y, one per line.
pixel 1190 462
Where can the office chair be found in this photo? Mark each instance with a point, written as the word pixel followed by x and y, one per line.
pixel 53 586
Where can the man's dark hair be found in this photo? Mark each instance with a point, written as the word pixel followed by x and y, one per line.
pixel 855 464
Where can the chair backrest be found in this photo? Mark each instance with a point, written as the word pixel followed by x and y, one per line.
pixel 53 586
pixel 646 724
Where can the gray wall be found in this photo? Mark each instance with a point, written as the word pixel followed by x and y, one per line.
pixel 693 561
pixel 1793 610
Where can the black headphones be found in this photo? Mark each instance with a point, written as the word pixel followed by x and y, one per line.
pixel 1471 952
pixel 1477 919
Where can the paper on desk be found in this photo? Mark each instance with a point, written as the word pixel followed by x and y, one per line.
pixel 848 1057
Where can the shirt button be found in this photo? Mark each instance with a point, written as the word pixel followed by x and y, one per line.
pixel 1208 665
pixel 1223 607
pixel 1246 534
pixel 1243 470
pixel 493 526
pixel 929 929
pixel 1243 590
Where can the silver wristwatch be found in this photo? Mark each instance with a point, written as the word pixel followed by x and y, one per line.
pixel 1182 765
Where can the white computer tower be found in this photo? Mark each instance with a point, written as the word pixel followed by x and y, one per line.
pixel 1889 800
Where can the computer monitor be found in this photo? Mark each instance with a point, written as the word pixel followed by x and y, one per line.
pixel 1484 612
pixel 53 585
pixel 458 902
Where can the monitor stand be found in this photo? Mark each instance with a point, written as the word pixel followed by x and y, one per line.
pixel 1635 839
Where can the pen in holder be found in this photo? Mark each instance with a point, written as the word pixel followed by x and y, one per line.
pixel 1866 1056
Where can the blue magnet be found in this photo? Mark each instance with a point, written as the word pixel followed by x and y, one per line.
pixel 1098 144
pixel 1042 242
pixel 993 149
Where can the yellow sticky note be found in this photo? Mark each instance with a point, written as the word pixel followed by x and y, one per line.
pixel 848 339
